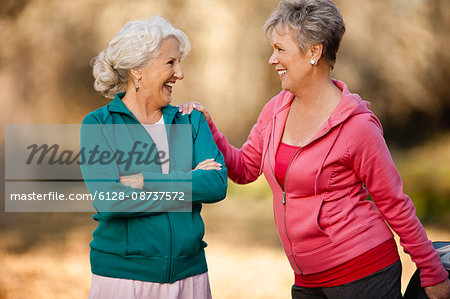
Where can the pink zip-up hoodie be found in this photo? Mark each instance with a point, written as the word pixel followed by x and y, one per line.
pixel 322 212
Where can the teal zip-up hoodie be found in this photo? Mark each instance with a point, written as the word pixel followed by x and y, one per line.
pixel 138 239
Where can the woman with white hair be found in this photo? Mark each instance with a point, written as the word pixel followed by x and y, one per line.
pixel 144 247
pixel 321 149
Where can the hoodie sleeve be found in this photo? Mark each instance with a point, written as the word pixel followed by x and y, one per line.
pixel 112 199
pixel 208 186
pixel 372 162
pixel 243 164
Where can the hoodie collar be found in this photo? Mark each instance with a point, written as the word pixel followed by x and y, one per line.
pixel 349 105
pixel 117 105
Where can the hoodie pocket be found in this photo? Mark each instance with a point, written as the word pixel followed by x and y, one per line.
pixel 303 227
pixel 111 236
pixel 148 236
pixel 341 217
pixel 189 230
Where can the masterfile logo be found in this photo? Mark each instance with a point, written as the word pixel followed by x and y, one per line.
pixel 44 162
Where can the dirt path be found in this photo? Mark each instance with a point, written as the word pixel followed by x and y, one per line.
pixel 244 255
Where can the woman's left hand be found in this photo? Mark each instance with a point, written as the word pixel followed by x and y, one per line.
pixel 133 181
pixel 209 164
pixel 137 180
pixel 439 291
pixel 187 107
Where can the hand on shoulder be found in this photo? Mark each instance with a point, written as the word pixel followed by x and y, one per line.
pixel 188 107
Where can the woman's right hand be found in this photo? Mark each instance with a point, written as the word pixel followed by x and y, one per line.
pixel 187 107
pixel 208 164
pixel 133 181
pixel 439 291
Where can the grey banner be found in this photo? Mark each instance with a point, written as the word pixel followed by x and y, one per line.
pixel 54 168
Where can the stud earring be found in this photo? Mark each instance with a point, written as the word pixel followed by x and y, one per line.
pixel 313 62
pixel 137 88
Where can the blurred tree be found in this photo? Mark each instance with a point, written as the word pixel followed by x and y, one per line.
pixel 394 54
pixel 11 8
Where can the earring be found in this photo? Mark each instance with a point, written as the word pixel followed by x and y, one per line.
pixel 313 62
pixel 136 85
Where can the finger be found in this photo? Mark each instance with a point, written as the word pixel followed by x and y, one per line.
pixel 205 162
pixel 209 165
pixel 201 165
pixel 181 106
pixel 203 110
pixel 122 180
pixel 190 107
pixel 212 165
pixel 209 168
pixel 185 108
pixel 214 168
pixel 199 107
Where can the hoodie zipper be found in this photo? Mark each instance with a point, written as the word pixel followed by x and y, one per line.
pixel 283 188
pixel 283 197
pixel 170 259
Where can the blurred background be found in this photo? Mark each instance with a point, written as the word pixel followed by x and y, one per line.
pixel 395 54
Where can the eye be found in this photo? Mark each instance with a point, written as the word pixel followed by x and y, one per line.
pixel 277 49
pixel 171 62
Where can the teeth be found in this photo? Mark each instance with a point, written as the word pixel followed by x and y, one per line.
pixel 170 84
pixel 282 72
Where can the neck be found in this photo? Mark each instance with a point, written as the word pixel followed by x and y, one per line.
pixel 142 107
pixel 317 89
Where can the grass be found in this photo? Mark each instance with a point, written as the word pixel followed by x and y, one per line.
pixel 425 172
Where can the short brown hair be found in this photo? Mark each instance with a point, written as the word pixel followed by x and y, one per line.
pixel 311 22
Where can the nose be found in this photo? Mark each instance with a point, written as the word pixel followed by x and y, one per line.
pixel 178 72
pixel 273 59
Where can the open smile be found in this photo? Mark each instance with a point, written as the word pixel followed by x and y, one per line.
pixel 281 72
pixel 169 86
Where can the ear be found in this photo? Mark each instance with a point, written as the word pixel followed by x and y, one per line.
pixel 136 73
pixel 316 52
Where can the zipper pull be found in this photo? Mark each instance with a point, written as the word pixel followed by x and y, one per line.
pixel 283 198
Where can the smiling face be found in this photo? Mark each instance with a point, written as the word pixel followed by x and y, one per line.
pixel 161 73
pixel 292 65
